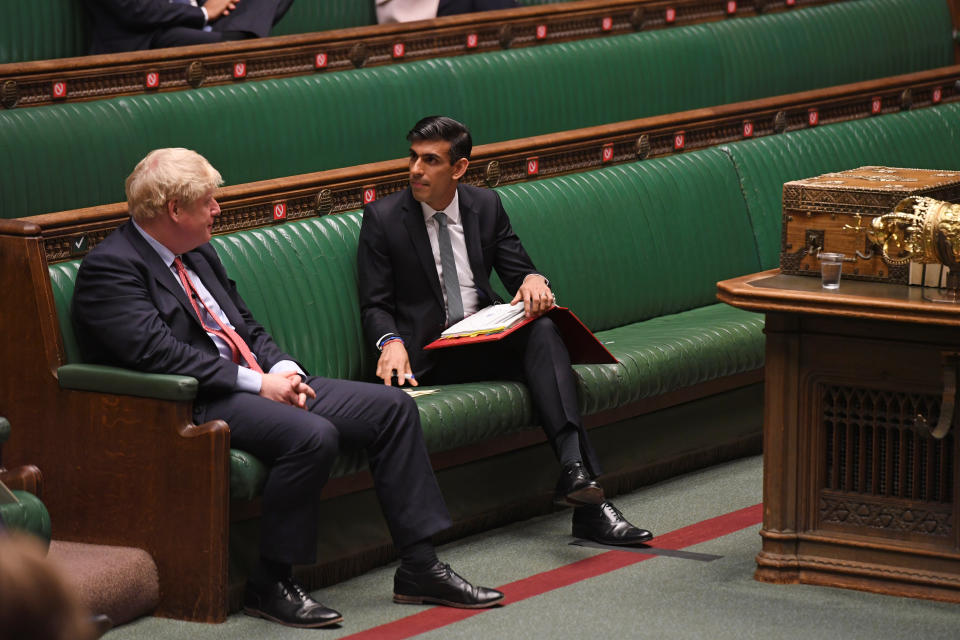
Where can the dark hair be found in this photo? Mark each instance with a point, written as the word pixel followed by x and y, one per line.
pixel 447 129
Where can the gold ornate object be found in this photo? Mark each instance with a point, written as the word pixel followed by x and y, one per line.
pixel 9 94
pixel 923 230
pixel 492 174
pixel 643 146
pixel 505 36
pixel 359 54
pixel 324 202
pixel 780 122
pixel 195 74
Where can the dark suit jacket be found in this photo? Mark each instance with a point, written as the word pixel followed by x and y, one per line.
pixel 131 25
pixel 129 310
pixel 399 286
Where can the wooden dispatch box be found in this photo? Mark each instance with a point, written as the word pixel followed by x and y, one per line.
pixel 816 210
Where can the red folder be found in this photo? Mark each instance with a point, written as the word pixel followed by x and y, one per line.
pixel 583 346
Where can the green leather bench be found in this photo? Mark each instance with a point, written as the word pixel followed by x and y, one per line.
pixel 75 155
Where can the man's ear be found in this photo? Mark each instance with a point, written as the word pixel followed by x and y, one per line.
pixel 460 168
pixel 172 208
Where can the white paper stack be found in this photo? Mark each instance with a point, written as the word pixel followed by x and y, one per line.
pixel 490 319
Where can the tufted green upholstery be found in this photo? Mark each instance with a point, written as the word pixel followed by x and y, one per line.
pixel 306 17
pixel 665 231
pixel 43 29
pixel 297 125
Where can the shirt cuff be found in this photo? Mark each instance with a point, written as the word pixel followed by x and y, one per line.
pixel 248 380
pixel 206 16
pixel 284 366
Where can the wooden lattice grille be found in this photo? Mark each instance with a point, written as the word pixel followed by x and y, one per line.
pixel 873 447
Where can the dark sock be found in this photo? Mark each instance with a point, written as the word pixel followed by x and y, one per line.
pixel 269 571
pixel 568 445
pixel 419 556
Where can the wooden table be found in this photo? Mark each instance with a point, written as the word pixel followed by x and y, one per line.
pixel 857 492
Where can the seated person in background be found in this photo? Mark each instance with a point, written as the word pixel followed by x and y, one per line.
pixel 410 10
pixel 408 295
pixel 153 296
pixel 131 25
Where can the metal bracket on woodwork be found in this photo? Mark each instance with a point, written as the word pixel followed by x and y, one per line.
pixel 951 361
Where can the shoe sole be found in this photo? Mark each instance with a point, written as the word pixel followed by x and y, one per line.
pixel 581 497
pixel 316 625
pixel 402 599
pixel 612 543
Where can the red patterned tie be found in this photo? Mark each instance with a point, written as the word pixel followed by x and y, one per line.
pixel 237 346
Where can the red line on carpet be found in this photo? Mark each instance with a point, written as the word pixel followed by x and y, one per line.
pixel 593 566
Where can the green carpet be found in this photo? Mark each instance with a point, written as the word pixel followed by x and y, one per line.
pixel 663 597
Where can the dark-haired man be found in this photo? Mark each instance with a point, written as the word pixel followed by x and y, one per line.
pixel 154 296
pixel 424 262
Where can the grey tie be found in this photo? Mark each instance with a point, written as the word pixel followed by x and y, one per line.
pixel 451 283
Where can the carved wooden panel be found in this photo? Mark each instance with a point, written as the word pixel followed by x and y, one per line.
pixel 881 471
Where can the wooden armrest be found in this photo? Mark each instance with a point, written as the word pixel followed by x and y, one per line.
pixel 115 380
pixel 26 477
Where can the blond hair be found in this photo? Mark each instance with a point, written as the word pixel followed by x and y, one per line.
pixel 165 175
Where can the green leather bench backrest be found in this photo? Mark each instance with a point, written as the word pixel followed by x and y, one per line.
pixel 78 154
pixel 325 15
pixel 300 281
pixel 63 275
pixel 928 139
pixel 44 29
pixel 630 242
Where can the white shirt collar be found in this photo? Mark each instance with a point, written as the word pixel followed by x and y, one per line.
pixel 165 254
pixel 452 210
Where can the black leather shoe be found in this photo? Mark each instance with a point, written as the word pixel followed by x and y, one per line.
pixel 575 487
pixel 605 524
pixel 441 585
pixel 287 603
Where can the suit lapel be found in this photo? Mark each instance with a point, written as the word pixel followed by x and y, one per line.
pixel 161 272
pixel 413 220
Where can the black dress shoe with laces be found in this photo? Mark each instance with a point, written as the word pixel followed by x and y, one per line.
pixel 441 585
pixel 286 602
pixel 605 524
pixel 575 487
